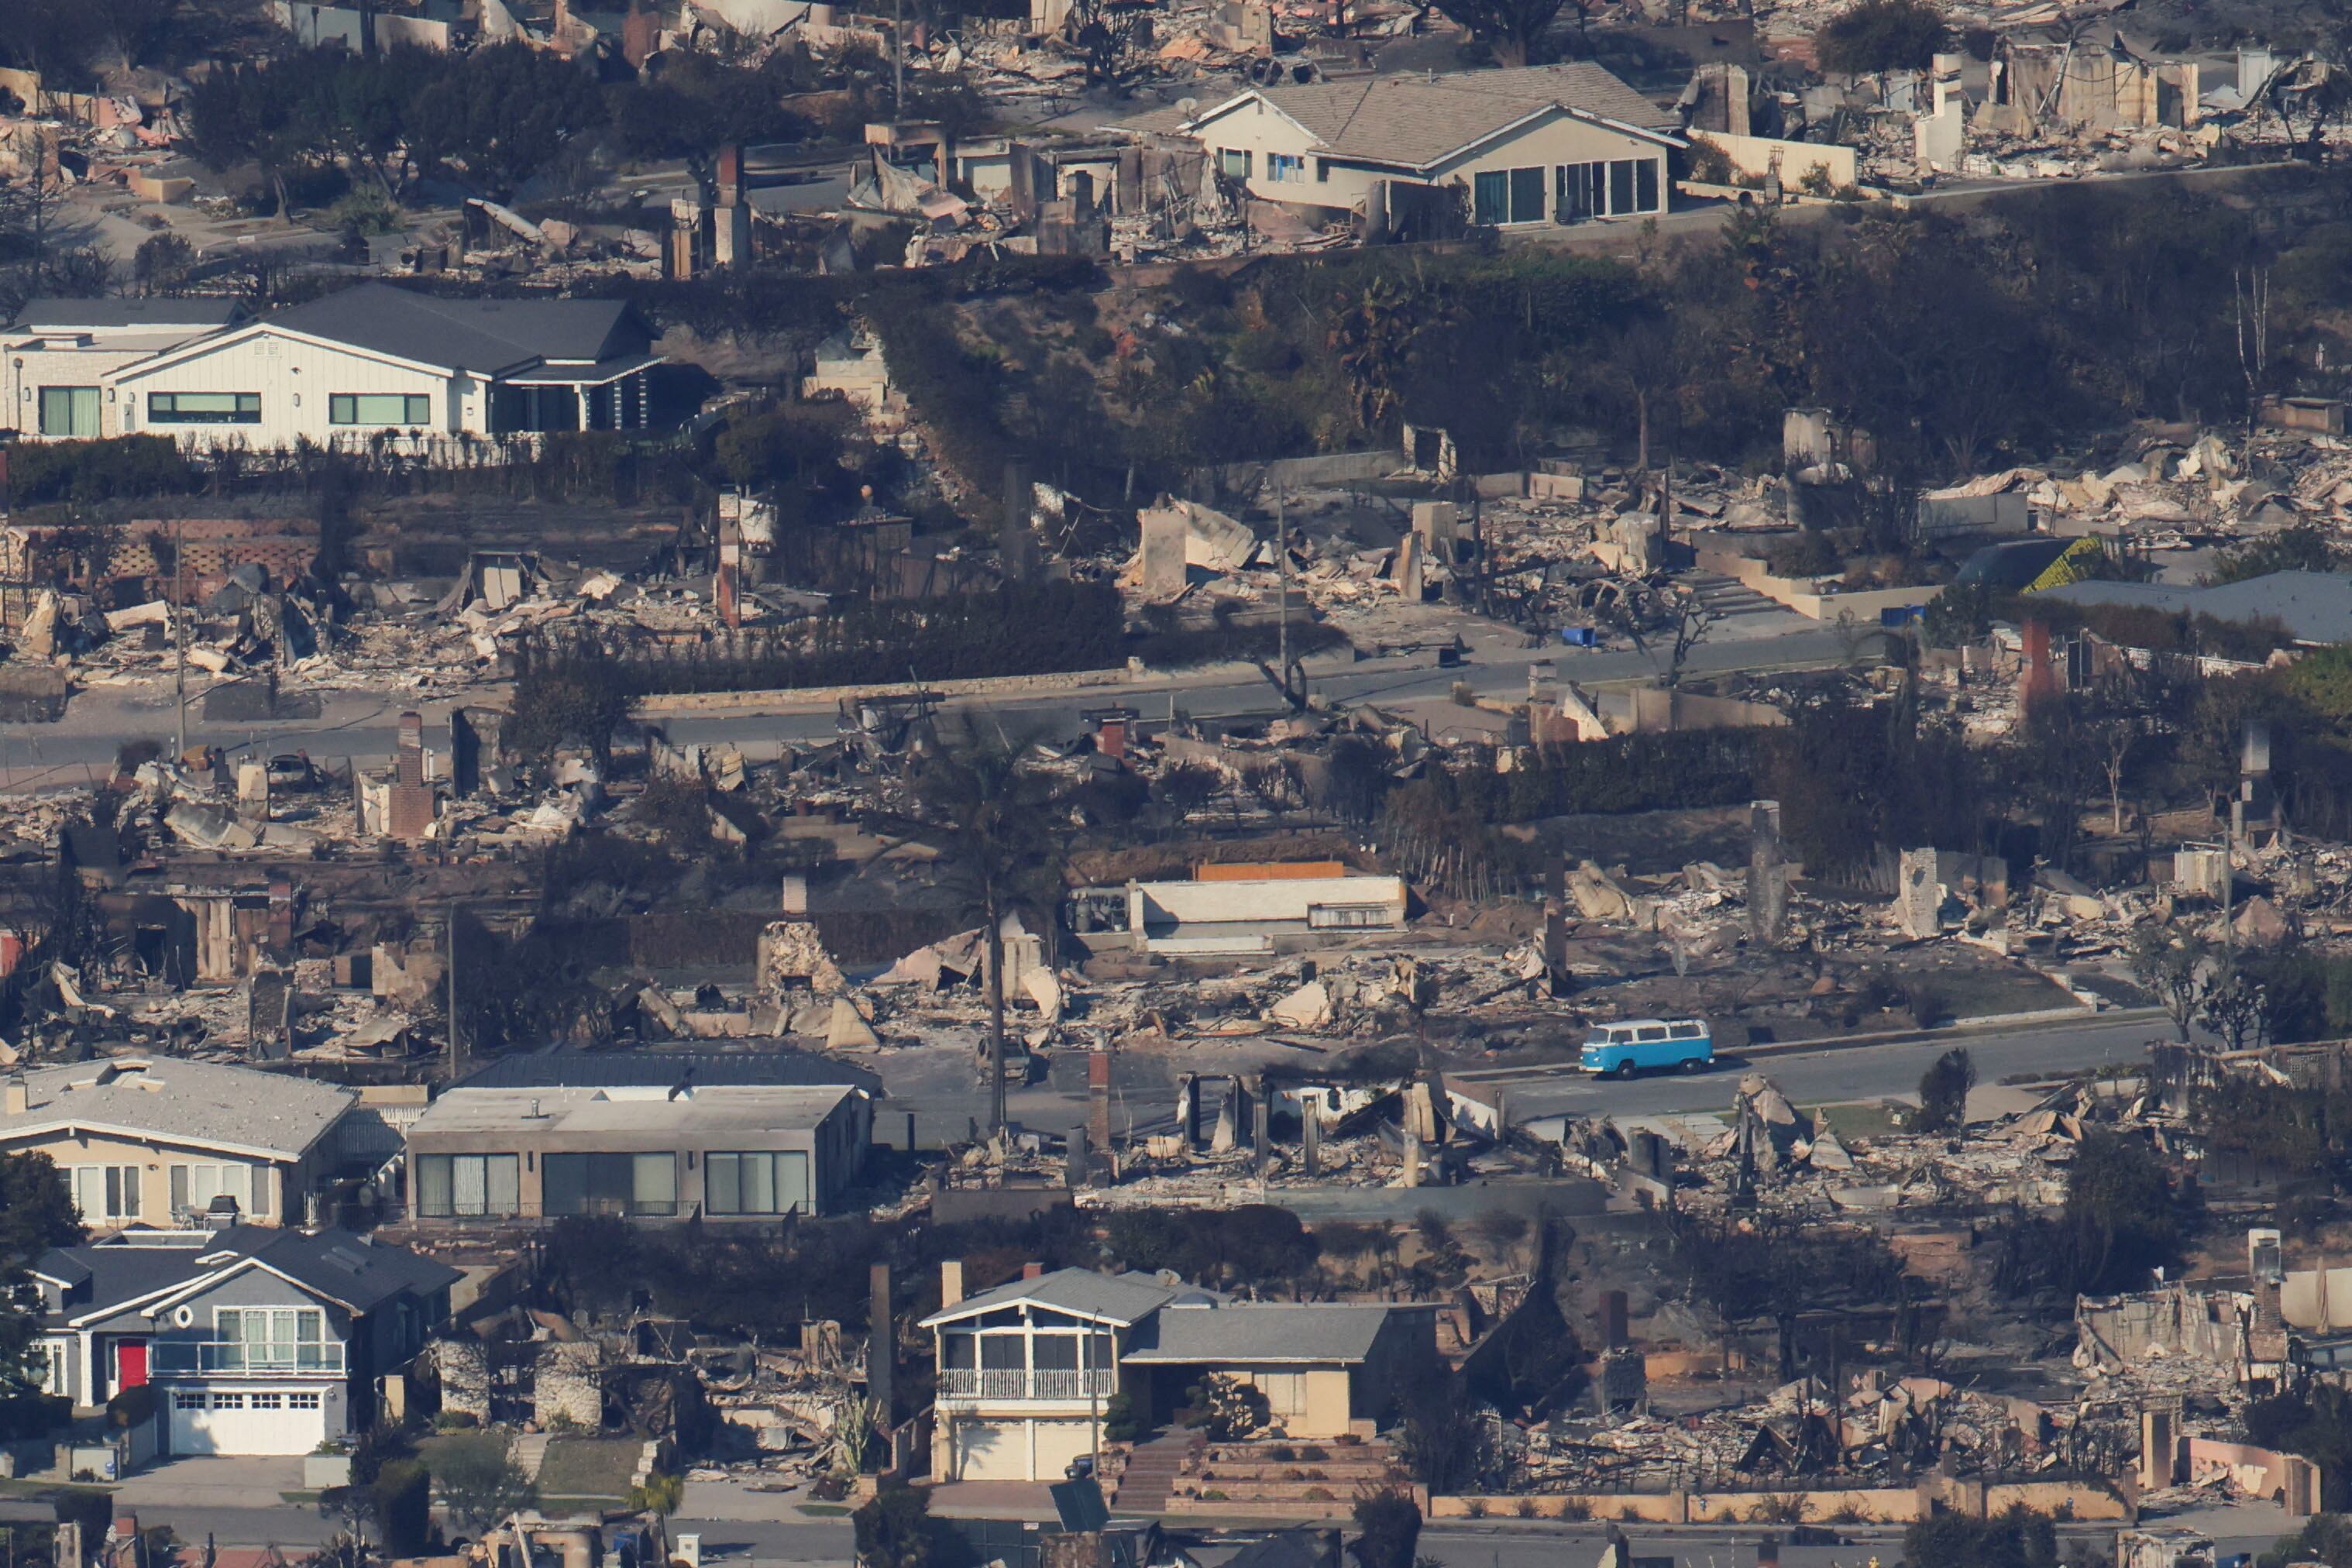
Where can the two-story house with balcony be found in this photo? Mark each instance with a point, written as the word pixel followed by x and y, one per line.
pixel 255 1339
pixel 156 1141
pixel 1026 1368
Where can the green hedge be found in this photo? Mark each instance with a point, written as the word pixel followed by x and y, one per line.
pixel 40 473
pixel 403 1507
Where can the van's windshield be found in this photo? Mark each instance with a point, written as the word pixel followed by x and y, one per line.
pixel 1598 1036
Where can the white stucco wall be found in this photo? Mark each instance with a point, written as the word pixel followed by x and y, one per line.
pixel 295 378
pixel 1557 139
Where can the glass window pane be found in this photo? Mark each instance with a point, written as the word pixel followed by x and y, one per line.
pixel 1526 196
pixel 505 1185
pixel 1490 196
pixel 1055 1352
pixel 722 1182
pixel 565 1180
pixel 1646 186
pixel 760 1184
pixel 179 1188
pixel 130 1192
pixel 792 1182
pixel 1002 1352
pixel 956 1349
pixel 433 1190
pixel 653 1188
pixel 472 1183
pixel 1620 186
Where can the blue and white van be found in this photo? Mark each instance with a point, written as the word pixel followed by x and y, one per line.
pixel 1643 1044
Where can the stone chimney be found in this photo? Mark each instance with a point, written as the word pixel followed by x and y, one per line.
pixel 19 1095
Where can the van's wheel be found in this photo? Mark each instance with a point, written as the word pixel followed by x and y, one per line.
pixel 1624 1070
pixel 1693 1064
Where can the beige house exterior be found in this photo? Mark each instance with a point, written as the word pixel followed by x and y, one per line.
pixel 1539 144
pixel 1026 1371
pixel 155 1142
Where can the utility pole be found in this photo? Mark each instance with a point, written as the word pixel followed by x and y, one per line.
pixel 898 67
pixel 180 639
pixel 456 1051
pixel 1282 564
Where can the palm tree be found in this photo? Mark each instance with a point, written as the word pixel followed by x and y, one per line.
pixel 1000 858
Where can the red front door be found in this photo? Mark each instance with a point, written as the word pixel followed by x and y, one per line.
pixel 129 1365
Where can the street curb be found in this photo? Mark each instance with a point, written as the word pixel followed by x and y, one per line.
pixel 1965 1029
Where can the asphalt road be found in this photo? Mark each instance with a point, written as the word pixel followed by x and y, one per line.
pixel 1826 1077
pixel 99 719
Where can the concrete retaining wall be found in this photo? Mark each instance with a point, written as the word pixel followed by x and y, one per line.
pixel 1860 1505
pixel 1804 595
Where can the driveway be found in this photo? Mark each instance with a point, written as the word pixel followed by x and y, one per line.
pixel 211 1482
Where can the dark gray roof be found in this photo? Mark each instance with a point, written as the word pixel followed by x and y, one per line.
pixel 60 315
pixel 665 1069
pixel 344 1268
pixel 480 335
pixel 2313 606
pixel 1120 1299
pixel 1294 1548
pixel 350 1269
pixel 1259 1332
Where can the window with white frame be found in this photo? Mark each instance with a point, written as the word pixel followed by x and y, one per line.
pixel 283 1338
pixel 106 1193
pixel 228 1401
pixel 301 1402
pixel 269 1401
pixel 194 1186
pixel 188 1399
pixel 1235 162
pixel 204 408
pixel 1284 167
pixel 50 1366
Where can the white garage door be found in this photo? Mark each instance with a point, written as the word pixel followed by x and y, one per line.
pixel 1059 1442
pixel 246 1420
pixel 992 1451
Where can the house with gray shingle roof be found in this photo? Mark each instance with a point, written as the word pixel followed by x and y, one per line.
pixel 159 1141
pixel 1027 1370
pixel 1559 143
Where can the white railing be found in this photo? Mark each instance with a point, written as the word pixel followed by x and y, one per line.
pixel 259 1360
pixel 1003 1382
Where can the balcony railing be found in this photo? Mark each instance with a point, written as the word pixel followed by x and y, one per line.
pixel 303 1359
pixel 999 1383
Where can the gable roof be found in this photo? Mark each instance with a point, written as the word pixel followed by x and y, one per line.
pixel 152 1267
pixel 171 1099
pixel 1419 121
pixel 1121 1299
pixel 482 335
pixel 63 315
pixel 1260 1332
pixel 2313 606
pixel 663 1070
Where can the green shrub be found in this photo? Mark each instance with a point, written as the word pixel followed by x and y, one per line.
pixel 41 472
pixel 403 1507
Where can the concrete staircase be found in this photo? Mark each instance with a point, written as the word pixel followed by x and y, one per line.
pixel 1726 595
pixel 1151 1471
pixel 530 1453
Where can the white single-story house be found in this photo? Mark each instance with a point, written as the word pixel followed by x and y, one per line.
pixel 56 358
pixel 1535 144
pixel 374 362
